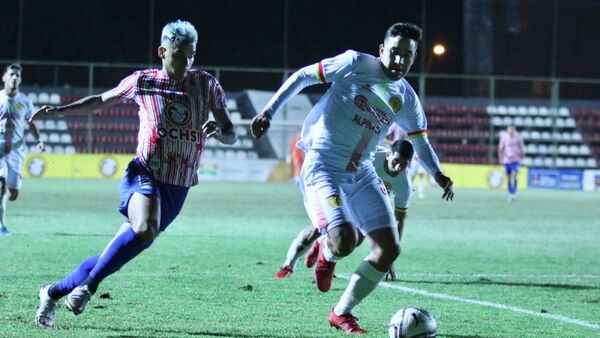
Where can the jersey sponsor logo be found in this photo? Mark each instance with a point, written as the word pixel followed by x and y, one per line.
pixel 181 134
pixel 363 104
pixel 178 113
pixel 364 122
pixel 396 103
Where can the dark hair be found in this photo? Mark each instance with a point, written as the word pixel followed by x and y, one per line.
pixel 13 66
pixel 404 29
pixel 404 148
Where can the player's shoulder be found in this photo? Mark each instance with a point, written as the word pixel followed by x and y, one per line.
pixel 201 74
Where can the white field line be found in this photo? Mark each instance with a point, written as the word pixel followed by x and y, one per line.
pixel 443 296
pixel 501 275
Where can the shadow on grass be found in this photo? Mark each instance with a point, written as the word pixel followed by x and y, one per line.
pixel 485 281
pixel 184 333
pixel 79 234
pixel 460 336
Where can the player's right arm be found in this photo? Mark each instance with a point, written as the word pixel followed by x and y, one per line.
pixel 500 149
pixel 326 71
pixel 88 104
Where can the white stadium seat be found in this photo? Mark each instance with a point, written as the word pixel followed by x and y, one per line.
pixel 539 122
pixel 584 149
pixel 570 122
pixel 70 150
pixel 570 162
pixel 563 111
pixel 241 155
pixel 59 149
pixel 522 110
pixel 532 111
pixel 232 104
pixel 491 110
pixel 573 150
pixel 580 163
pixel 512 110
pixel 43 98
pixel 507 121
pixel 61 125
pixel 591 163
pixel 527 161
pixel 543 111
pixel 548 162
pixel 501 110
pixel 54 138
pixel 207 153
pixel 528 121
pixel 65 138
pixel 542 149
pixel 560 162
pixel 32 97
pixel 545 135
pixel 496 121
pixel 54 99
pixel 518 121
pixel 563 149
pixel 566 136
pixel 535 135
pixel 236 116
pixel 49 124
pixel 525 134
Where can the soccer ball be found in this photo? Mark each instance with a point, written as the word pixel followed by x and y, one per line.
pixel 412 322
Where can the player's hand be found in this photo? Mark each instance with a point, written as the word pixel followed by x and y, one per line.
pixel 391 274
pixel 42 112
pixel 41 146
pixel 445 183
pixel 211 129
pixel 260 125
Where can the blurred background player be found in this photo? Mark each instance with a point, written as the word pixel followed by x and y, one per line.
pixel 511 151
pixel 296 158
pixel 15 111
pixel 174 103
pixel 390 164
pixel 340 136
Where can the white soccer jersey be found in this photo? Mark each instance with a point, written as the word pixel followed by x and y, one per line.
pixel 14 113
pixel 400 184
pixel 352 118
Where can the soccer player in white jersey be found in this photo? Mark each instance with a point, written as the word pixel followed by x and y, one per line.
pixel 340 136
pixel 15 110
pixel 511 151
pixel 389 162
pixel 174 104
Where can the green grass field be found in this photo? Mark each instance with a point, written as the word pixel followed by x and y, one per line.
pixel 482 266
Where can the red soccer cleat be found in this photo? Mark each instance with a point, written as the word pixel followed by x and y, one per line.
pixel 284 272
pixel 323 272
pixel 347 323
pixel 312 254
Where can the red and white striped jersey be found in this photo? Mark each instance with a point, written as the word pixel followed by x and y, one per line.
pixel 172 112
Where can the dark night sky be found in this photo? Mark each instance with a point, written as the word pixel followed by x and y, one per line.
pixel 250 33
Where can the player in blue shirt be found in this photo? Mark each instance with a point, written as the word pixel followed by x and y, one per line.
pixel 340 136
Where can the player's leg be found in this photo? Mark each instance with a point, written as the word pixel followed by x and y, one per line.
pixel 510 178
pixel 297 248
pixel 374 214
pixel 515 175
pixel 3 195
pixel 323 202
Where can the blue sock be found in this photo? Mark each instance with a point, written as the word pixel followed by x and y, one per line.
pixel 123 249
pixel 509 185
pixel 514 191
pixel 70 281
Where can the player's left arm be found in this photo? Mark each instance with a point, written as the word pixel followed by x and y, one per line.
pixel 222 128
pixel 416 122
pixel 36 135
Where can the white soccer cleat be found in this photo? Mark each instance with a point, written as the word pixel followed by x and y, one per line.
pixel 45 313
pixel 77 299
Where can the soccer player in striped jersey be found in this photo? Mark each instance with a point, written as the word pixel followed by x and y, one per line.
pixel 174 105
pixel 340 136
pixel 390 164
pixel 15 111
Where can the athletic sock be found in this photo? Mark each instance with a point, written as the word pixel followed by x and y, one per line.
pixel 72 280
pixel 3 199
pixel 296 250
pixel 123 249
pixel 327 254
pixel 363 281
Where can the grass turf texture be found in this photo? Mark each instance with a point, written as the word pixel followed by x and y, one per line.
pixel 211 273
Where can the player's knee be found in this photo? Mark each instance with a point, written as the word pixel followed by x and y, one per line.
pixel 147 229
pixel 343 239
pixel 387 255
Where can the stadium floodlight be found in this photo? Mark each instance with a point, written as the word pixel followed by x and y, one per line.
pixel 439 49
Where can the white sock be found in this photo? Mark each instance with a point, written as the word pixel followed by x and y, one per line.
pixel 364 280
pixel 327 254
pixel 3 199
pixel 295 251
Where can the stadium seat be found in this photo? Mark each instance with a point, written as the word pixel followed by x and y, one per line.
pixel 539 122
pixel 29 138
pixel 512 111
pixel 229 154
pixel 252 155
pixel 548 162
pixel 232 105
pixel 591 163
pixel 207 153
pixel 564 112
pixel 563 149
pixel 560 162
pixel 65 138
pixel 507 121
pixel 552 149
pixel 49 124
pixel 543 111
pixel 501 110
pixel 528 122
pixel 525 134
pixel 241 131
pixel 69 150
pixel 546 136
pixel 570 162
pixel 33 149
pixel 54 138
pixel 54 99
pixel 548 122
pixel 491 109
pixel 535 135
pixel 518 121
pixel 531 148
pixel 584 149
pixel 58 149
pixel 496 121
pixel 43 98
pixel 247 143
pixel 560 123
pixel 542 149
pixel 570 122
pixel 241 155
pixel 538 162
pixel 32 97
pixel 566 136
pixel 219 154
pixel 236 116
pixel 580 163
pixel 522 110
pixel 573 150
pixel 527 161
pixel 532 111
pixel 61 125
